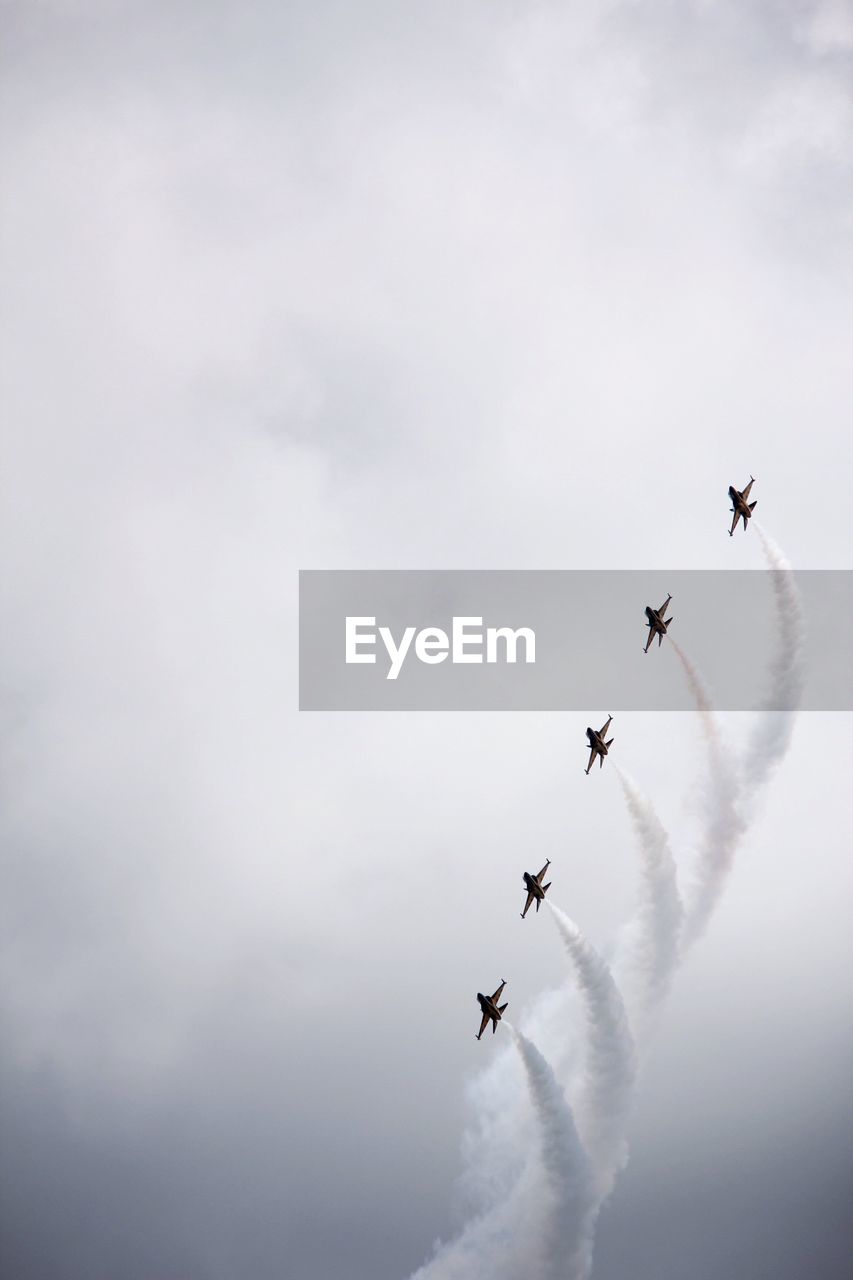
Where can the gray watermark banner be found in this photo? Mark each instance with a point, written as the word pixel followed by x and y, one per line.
pixel 560 640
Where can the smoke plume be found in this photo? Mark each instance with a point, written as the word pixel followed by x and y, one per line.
pixel 565 1231
pixel 723 824
pixel 733 787
pixel 649 954
pixel 772 735
pixel 610 1071
pixel 542 1225
pixel 538 1212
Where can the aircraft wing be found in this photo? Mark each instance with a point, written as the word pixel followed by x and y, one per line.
pixel 530 897
pixel 591 759
pixel 483 1025
pixel 496 997
pixel 662 610
pixel 541 875
pixel 604 728
pixel 650 639
pixel 745 494
pixel 735 519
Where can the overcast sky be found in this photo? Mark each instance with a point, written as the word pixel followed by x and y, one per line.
pixel 383 285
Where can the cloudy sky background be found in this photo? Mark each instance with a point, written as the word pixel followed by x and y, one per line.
pixel 386 286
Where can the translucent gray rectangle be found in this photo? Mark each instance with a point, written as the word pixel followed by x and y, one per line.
pixel 590 630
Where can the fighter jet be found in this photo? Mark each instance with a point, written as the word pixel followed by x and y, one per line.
pixel 598 747
pixel 656 625
pixel 740 505
pixel 492 1011
pixel 535 888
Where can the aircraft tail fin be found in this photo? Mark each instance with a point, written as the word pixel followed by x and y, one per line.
pixel 753 505
pixel 609 742
pixel 666 624
pixel 546 887
pixel 501 1007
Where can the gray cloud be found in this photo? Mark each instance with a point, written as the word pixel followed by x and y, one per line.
pixel 377 287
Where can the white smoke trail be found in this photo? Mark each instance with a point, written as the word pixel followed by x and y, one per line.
pixel 566 1208
pixel 701 696
pixel 772 735
pixel 724 822
pixel 611 1069
pixel 731 798
pixel 494 1150
pixel 541 1227
pixel 499 1243
pixel 652 939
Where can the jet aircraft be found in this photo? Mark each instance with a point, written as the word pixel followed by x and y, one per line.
pixel 598 747
pixel 536 890
pixel 492 1011
pixel 741 507
pixel 656 624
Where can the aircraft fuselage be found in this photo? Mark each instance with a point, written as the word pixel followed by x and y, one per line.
pixel 656 622
pixel 488 1006
pixel 533 885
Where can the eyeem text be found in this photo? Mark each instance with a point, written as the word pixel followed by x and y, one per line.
pixel 467 642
